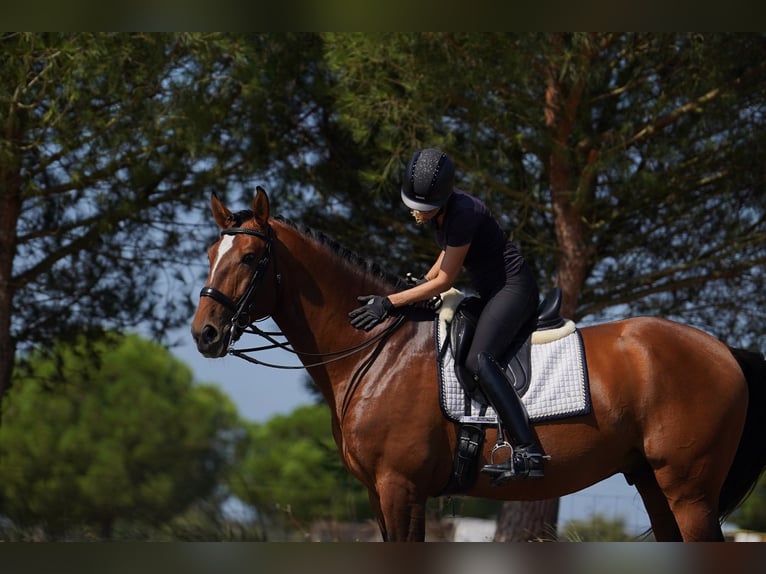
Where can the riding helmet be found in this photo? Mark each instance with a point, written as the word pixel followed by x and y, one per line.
pixel 428 180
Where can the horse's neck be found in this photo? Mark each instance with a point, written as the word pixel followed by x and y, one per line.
pixel 318 288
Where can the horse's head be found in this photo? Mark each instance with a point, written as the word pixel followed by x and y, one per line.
pixel 240 286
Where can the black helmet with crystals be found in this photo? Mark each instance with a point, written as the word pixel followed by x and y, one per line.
pixel 427 183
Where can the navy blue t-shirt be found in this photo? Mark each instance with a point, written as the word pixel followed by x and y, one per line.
pixel 491 259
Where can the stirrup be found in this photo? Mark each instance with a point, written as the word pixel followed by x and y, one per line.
pixel 520 465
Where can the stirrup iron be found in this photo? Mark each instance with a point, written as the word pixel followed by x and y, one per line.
pixel 519 464
pixel 499 445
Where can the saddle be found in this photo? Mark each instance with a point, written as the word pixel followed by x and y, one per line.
pixel 516 363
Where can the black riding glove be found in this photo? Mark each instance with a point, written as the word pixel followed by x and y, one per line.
pixel 376 308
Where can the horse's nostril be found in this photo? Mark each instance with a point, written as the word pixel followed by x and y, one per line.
pixel 209 334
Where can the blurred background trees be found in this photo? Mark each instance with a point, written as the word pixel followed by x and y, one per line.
pixel 123 435
pixel 752 514
pixel 291 472
pixel 628 167
pixel 597 529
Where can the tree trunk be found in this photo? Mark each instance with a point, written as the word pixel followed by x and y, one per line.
pixel 528 521
pixel 10 209
pixel 107 528
pixel 538 520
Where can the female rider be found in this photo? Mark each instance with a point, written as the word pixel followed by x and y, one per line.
pixel 470 238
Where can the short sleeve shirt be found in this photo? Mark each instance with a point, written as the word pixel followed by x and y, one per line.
pixel 491 257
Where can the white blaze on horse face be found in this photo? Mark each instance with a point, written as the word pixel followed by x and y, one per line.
pixel 227 242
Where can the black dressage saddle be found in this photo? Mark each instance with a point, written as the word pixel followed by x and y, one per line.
pixel 518 360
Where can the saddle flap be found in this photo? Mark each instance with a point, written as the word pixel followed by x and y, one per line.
pixel 516 365
pixel 463 327
pixel 461 332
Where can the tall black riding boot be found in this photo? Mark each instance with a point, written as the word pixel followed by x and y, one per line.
pixel 527 459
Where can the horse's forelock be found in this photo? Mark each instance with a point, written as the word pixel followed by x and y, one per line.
pixel 239 217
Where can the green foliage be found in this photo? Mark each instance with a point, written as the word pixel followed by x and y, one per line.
pixel 107 134
pixel 122 436
pixel 115 140
pixel 204 521
pixel 752 514
pixel 626 165
pixel 597 529
pixel 111 145
pixel 291 472
pixel 658 137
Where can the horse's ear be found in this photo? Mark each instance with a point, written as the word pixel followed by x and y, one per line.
pixel 220 213
pixel 261 205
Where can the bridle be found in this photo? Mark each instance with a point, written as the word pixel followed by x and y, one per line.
pixel 241 323
pixel 241 311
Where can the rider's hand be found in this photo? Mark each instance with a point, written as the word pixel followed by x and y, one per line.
pixel 413 281
pixel 431 304
pixel 375 309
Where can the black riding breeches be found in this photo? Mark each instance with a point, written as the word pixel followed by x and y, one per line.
pixel 507 319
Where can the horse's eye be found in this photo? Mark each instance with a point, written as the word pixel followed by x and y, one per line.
pixel 248 258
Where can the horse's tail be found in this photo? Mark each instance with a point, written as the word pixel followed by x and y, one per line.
pixel 750 459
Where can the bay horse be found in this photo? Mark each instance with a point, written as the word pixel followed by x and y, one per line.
pixel 674 409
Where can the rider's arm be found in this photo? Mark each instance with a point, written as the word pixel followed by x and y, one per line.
pixel 441 277
pixel 434 271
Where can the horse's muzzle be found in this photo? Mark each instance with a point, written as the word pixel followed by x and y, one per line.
pixel 211 341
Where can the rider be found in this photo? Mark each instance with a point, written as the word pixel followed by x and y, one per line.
pixel 470 237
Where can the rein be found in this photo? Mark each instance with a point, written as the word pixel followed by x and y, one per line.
pixel 253 329
pixel 241 323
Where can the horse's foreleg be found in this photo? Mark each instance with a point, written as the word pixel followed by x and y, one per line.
pixel 400 509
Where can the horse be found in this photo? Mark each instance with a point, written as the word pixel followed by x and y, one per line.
pixel 674 409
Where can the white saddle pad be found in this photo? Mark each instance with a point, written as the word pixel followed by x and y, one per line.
pixel 558 387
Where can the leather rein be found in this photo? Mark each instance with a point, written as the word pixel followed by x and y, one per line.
pixel 241 323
